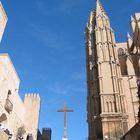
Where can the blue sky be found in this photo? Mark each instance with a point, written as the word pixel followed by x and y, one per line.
pixel 45 40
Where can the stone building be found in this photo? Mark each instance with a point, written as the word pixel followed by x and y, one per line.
pixel 113 70
pixel 17 118
pixel 3 20
pixel 46 134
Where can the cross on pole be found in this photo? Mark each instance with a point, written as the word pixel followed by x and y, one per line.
pixel 65 110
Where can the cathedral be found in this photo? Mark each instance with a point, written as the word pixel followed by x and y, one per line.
pixel 18 119
pixel 113 72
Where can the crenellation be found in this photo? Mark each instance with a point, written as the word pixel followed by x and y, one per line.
pixel 14 113
pixel 33 96
pixel 17 112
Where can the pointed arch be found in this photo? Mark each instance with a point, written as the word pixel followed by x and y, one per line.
pixel 3 121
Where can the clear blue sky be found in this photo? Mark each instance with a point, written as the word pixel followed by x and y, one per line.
pixel 45 39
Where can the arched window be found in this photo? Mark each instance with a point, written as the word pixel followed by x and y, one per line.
pixel 107 106
pixel 9 93
pixel 111 106
pixel 8 103
pixel 3 121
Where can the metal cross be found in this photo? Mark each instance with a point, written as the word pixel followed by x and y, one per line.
pixel 65 110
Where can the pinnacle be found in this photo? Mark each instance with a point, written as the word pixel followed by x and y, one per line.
pixel 128 35
pixel 99 8
pixel 132 19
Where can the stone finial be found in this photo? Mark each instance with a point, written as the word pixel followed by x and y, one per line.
pixel 128 36
pixel 137 16
pixel 132 19
pixel 38 95
pixel 133 24
pixel 34 95
pixel 99 8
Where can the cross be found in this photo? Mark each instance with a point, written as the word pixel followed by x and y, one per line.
pixel 65 110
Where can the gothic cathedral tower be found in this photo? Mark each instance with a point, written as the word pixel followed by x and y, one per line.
pixel 106 105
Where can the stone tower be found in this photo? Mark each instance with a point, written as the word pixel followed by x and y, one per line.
pixel 107 118
pixel 32 107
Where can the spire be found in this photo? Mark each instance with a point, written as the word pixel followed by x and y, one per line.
pixel 101 19
pixel 99 8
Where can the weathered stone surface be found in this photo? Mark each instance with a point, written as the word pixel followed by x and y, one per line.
pixel 16 113
pixel 3 135
pixel 3 21
pixel 112 75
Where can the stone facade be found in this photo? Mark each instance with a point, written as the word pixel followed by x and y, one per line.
pixel 112 75
pixel 3 20
pixel 3 135
pixel 14 113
